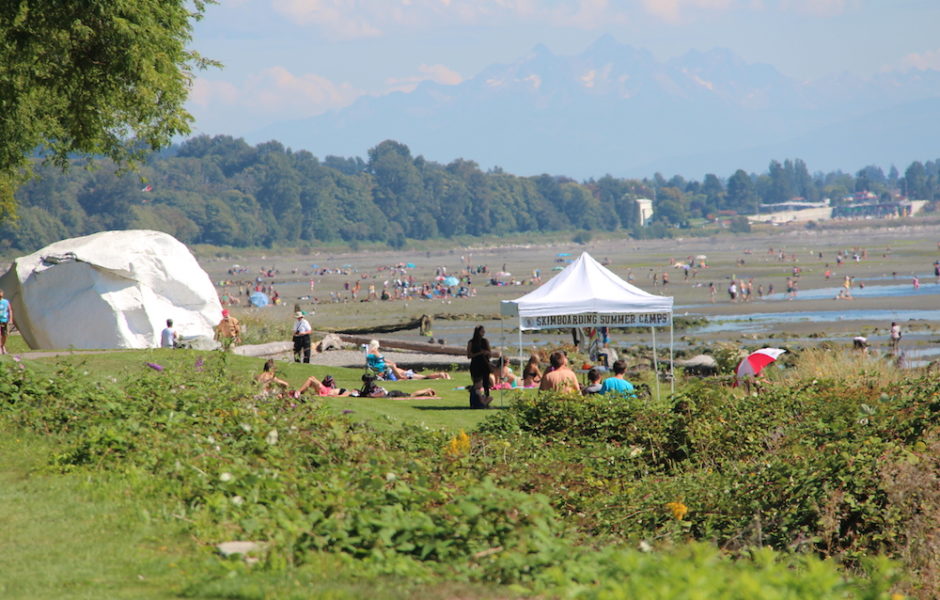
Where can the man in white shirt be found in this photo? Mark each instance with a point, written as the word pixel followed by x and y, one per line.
pixel 169 338
pixel 302 333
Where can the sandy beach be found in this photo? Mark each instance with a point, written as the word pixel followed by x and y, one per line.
pixel 882 282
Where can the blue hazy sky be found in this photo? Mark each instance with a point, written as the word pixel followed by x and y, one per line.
pixel 290 59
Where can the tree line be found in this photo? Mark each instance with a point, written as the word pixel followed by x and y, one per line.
pixel 221 190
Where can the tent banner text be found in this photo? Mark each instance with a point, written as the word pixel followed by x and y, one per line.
pixel 598 320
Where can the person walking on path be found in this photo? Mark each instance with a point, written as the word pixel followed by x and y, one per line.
pixel 302 333
pixel 895 335
pixel 228 331
pixel 6 319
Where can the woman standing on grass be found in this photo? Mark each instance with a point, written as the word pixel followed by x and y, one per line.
pixel 478 351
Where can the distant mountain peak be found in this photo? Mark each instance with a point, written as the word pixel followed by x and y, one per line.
pixel 605 43
pixel 540 50
pixel 617 108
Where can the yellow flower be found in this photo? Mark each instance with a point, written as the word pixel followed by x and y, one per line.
pixel 458 446
pixel 678 510
pixel 897 596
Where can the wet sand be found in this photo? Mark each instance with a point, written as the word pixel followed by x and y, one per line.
pixel 891 256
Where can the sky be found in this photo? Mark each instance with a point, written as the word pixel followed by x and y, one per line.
pixel 292 59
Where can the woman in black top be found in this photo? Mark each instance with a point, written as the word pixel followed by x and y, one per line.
pixel 478 351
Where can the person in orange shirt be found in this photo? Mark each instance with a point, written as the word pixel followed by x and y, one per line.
pixel 228 331
pixel 561 378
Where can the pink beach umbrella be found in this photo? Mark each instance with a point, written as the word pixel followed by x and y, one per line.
pixel 755 362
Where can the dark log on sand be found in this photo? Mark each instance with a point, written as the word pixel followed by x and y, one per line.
pixel 425 347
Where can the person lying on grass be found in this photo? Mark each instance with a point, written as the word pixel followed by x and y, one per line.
pixel 390 370
pixel 327 387
pixel 371 390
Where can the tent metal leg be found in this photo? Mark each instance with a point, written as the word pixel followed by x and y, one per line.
pixel 655 363
pixel 672 360
pixel 520 341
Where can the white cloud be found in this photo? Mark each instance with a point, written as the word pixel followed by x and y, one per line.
pixel 819 8
pixel 534 80
pixel 340 18
pixel 677 10
pixel 206 92
pixel 277 89
pixel 367 18
pixel 587 14
pixel 277 94
pixel 273 92
pixel 702 82
pixel 588 78
pixel 437 73
pixel 671 10
pixel 922 61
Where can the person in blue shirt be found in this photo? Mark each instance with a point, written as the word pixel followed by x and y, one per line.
pixel 617 384
pixel 6 317
pixel 389 370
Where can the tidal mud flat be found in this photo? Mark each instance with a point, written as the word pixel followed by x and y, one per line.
pixel 881 263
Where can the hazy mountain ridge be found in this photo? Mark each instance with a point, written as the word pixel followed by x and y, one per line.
pixel 617 109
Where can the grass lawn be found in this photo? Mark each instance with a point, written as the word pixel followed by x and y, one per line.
pixel 449 411
pixel 78 535
pixel 88 535
pixel 85 536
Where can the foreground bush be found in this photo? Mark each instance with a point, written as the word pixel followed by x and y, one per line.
pixel 839 469
pixel 546 494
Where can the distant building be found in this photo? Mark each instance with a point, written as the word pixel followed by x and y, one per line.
pixel 903 208
pixel 645 206
pixel 793 205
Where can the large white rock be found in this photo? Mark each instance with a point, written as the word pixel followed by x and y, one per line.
pixel 114 289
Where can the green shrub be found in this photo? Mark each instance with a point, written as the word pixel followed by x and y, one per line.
pixel 818 466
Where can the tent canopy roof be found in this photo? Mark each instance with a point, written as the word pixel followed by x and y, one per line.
pixel 586 286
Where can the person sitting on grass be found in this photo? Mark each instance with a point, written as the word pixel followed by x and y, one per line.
pixel 504 376
pixel 390 370
pixel 478 397
pixel 531 375
pixel 617 384
pixel 594 383
pixel 561 378
pixel 370 389
pixel 327 387
pixel 268 378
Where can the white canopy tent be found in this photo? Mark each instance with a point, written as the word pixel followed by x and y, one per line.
pixel 587 294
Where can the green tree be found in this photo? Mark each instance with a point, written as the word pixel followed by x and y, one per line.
pixel 781 183
pixel 803 183
pixel 714 193
pixel 915 181
pixel 104 78
pixel 398 184
pixel 742 197
pixel 670 207
pixel 740 224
